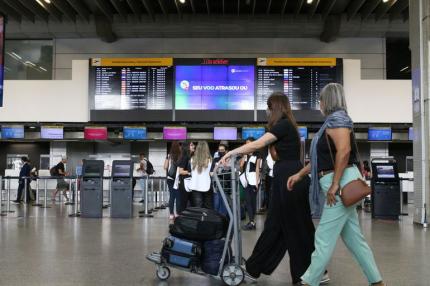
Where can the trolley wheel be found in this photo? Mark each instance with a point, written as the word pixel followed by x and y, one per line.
pixel 163 273
pixel 232 275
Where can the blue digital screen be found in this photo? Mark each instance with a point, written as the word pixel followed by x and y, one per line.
pixel 134 133
pixel 411 134
pixel 254 132
pixel 379 134
pixel 12 132
pixel 223 87
pixel 303 131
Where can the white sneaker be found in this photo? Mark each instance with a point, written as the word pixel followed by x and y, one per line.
pixel 325 279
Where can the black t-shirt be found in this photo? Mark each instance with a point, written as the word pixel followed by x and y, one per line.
pixel 325 163
pixel 59 166
pixel 287 144
pixel 185 163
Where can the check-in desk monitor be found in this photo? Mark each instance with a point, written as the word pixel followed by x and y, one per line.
pixel 385 189
pixel 92 189
pixel 122 190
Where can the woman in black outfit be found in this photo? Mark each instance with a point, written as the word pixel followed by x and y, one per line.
pixel 185 172
pixel 288 225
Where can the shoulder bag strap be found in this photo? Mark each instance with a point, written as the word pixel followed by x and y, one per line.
pixel 356 149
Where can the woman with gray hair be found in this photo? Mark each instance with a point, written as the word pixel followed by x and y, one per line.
pixel 330 174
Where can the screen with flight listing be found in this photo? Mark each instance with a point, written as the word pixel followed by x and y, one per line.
pixel 126 89
pixel 301 79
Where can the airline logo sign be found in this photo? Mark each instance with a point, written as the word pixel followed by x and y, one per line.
pixel 296 62
pixel 132 62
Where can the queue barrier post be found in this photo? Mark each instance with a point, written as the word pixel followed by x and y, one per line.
pixel 37 203
pixel 25 190
pixel 45 199
pixel 2 213
pixel 70 202
pixel 8 197
pixel 76 212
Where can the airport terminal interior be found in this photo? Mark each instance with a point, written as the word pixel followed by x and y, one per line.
pixel 120 122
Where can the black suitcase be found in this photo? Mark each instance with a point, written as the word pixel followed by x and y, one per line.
pixel 199 224
pixel 181 252
pixel 212 254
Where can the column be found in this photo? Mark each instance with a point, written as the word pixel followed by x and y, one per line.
pixel 419 28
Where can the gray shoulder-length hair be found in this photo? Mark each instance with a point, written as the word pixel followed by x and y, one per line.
pixel 332 97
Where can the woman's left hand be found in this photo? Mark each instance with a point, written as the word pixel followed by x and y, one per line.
pixel 225 159
pixel 331 195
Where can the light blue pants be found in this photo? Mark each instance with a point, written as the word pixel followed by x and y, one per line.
pixel 336 221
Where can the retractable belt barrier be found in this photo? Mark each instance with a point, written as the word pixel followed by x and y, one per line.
pixel 155 193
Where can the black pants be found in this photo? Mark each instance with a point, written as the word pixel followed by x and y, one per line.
pixel 184 197
pixel 251 201
pixel 267 191
pixel 288 227
pixel 21 187
pixel 202 199
pixel 173 196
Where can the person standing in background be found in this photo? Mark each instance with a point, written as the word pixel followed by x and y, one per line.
pixel 171 166
pixel 24 172
pixel 201 162
pixel 251 165
pixel 269 178
pixel 62 185
pixel 184 169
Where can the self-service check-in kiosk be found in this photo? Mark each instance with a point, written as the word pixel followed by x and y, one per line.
pixel 385 189
pixel 121 189
pixel 92 189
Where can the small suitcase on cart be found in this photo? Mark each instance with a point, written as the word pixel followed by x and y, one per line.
pixel 180 252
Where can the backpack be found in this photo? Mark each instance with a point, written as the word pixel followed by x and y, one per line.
pixel 171 172
pixel 53 171
pixel 149 167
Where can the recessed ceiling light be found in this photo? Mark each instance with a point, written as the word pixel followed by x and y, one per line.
pixel 32 127
pixel 182 1
pixel 385 1
pixel 309 1
pixel 47 1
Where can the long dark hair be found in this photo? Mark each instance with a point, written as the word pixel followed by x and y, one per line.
pixel 175 151
pixel 279 107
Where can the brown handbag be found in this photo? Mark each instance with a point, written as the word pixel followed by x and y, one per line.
pixel 357 189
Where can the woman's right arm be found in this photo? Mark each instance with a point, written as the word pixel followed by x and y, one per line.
pixel 298 176
pixel 183 172
pixel 166 164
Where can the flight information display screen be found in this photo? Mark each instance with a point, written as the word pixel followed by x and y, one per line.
pixel 131 83
pixel 2 25
pixel 301 79
pixel 214 84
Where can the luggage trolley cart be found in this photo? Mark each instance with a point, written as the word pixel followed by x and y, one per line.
pixel 231 274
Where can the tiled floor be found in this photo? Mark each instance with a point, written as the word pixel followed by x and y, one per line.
pixel 46 247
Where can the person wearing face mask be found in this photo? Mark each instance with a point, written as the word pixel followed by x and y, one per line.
pixel 288 225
